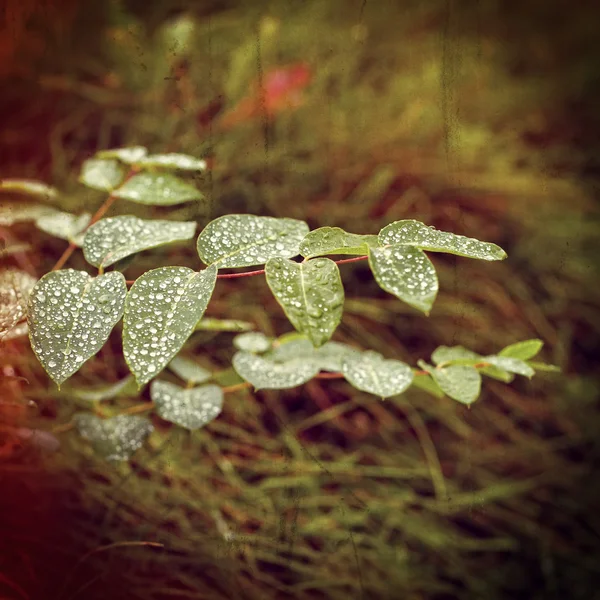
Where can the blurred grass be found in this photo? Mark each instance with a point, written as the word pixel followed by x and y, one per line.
pixel 416 111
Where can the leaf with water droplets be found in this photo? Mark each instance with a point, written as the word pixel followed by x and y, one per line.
pixel 70 316
pixel 311 294
pixel 189 370
pixel 266 374
pixel 406 273
pixel 510 364
pixel 369 372
pixel 328 357
pixel 253 341
pixel 447 354
pixel 161 311
pixel 19 212
pixel 334 240
pixel 172 160
pixel 190 408
pixel 64 225
pixel 523 350
pixel 415 233
pixel 234 325
pixel 128 155
pixel 248 240
pixel 116 438
pixel 159 189
pixel 102 174
pixel 112 239
pixel 29 187
pixel 15 287
pixel 331 356
pixel 459 382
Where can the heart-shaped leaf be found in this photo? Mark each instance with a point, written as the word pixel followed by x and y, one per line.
pixel 189 370
pixel 128 155
pixel 264 373
pixel 28 187
pixel 252 341
pixel 102 174
pixel 190 408
pixel 161 311
pixel 523 350
pixel 334 240
pixel 112 239
pixel 116 438
pixel 311 294
pixel 406 273
pixel 415 233
pixel 181 162
pixel 247 240
pixel 70 316
pixel 370 372
pixel 234 325
pixel 459 382
pixel 159 189
pixel 64 225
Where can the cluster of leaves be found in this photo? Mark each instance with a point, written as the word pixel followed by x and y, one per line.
pixel 70 314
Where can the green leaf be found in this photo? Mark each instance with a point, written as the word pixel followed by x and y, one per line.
pixel 70 316
pixel 497 373
pixel 538 366
pixel 189 408
pixel 523 350
pixel 104 392
pixel 512 365
pixel 112 239
pixel 234 325
pixel 247 240
pixel 334 240
pixel 415 233
pixel 331 355
pixel 65 225
pixel 291 348
pixel 127 155
pixel 19 212
pixel 161 311
pixel 427 384
pixel 116 438
pixel 461 383
pixel 406 273
pixel 311 294
pixel 29 187
pixel 158 189
pixel 102 174
pixel 369 372
pixel 181 162
pixel 253 341
pixel 447 354
pixel 266 374
pixel 15 287
pixel 189 370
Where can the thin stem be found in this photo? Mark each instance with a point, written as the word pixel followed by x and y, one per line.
pixel 343 261
pixel 235 275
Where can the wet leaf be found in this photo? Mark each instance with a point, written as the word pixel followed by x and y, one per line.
pixel 19 212
pixel 417 234
pixel 497 373
pixel 334 240
pixel 70 316
pixel 127 155
pixel 510 364
pixel 181 162
pixel 64 225
pixel 311 294
pixel 29 187
pixel 189 370
pixel 248 240
pixel 102 174
pixel 104 392
pixel 189 408
pixel 447 354
pixel 328 357
pixel 234 325
pixel 331 355
pixel 369 372
pixel 461 383
pixel 266 374
pixel 523 350
pixel 406 273
pixel 161 311
pixel 159 189
pixel 253 341
pixel 15 287
pixel 116 438
pixel 110 240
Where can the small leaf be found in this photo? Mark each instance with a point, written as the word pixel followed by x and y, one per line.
pixel 189 370
pixel 334 240
pixel 116 438
pixel 127 155
pixel 461 383
pixel 331 355
pixel 512 365
pixel 328 357
pixel 538 366
pixel 419 235
pixel 104 392
pixel 70 316
pixel 159 189
pixel 497 373
pixel 447 354
pixel 234 325
pixel 428 384
pixel 112 239
pixel 406 273
pixel 291 348
pixel 101 174
pixel 266 374
pixel 369 372
pixel 523 350
pixel 189 408
pixel 181 162
pixel 29 187
pixel 161 311
pixel 19 212
pixel 311 294
pixel 253 341
pixel 15 287
pixel 247 240
pixel 64 225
